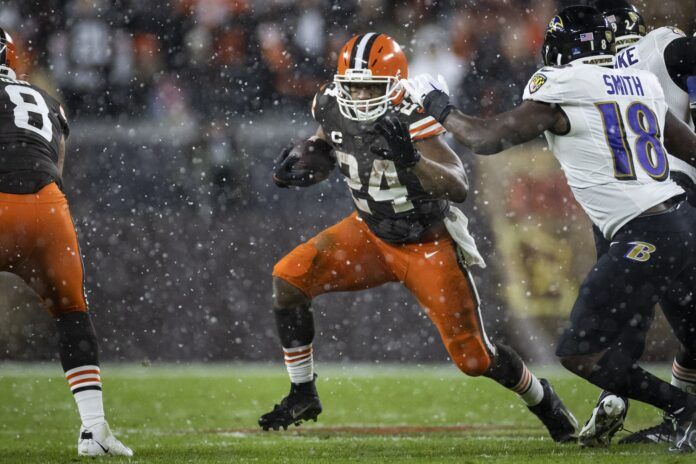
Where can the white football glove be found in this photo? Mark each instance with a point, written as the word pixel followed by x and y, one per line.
pixel 420 86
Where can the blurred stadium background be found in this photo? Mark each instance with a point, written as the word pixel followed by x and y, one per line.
pixel 178 109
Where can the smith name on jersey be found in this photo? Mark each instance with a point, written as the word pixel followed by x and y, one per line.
pixel 391 201
pixel 32 124
pixel 613 155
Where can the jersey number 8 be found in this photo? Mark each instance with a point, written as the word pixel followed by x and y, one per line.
pixel 648 147
pixel 31 111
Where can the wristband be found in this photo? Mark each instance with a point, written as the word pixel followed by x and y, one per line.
pixel 437 105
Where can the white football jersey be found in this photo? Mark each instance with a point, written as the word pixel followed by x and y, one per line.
pixel 649 54
pixel 613 155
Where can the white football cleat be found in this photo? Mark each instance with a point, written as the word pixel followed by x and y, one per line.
pixel 607 419
pixel 99 441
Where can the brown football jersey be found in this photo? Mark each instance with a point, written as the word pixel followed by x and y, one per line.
pixel 390 200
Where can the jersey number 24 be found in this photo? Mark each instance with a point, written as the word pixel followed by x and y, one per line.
pixel 382 170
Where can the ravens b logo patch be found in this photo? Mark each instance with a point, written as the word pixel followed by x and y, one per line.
pixel 556 24
pixel 536 82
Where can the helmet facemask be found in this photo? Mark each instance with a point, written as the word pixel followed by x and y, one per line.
pixel 7 55
pixel 367 109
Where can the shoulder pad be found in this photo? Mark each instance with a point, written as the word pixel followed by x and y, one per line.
pixel 420 125
pixel 676 30
pixel 538 79
pixel 322 100
pixel 549 84
pixel 667 33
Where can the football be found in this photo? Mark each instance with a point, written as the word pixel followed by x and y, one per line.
pixel 317 155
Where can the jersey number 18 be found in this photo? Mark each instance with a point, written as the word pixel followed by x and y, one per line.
pixel 648 148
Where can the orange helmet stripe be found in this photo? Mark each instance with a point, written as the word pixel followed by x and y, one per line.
pixel 347 53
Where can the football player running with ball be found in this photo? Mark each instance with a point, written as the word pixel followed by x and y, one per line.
pixel 671 56
pixel 39 243
pixel 611 131
pixel 402 177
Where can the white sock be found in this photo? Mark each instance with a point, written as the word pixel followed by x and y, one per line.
pixel 529 388
pixel 85 384
pixel 300 363
pixel 683 378
pixel 91 407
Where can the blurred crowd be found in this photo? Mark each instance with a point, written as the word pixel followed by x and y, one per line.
pixel 223 58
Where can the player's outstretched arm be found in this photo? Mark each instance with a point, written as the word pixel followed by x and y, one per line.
pixel 437 167
pixel 485 136
pixel 680 141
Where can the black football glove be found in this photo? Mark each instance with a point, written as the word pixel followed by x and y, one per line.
pixel 285 174
pixel 437 104
pixel 401 150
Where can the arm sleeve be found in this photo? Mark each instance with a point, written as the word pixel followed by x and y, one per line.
pixel 422 127
pixel 680 60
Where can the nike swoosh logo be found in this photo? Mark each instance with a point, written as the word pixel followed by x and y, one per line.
pixel 297 412
pixel 613 243
pixel 430 255
pixel 106 450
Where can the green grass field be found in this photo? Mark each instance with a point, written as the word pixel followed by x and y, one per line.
pixel 208 413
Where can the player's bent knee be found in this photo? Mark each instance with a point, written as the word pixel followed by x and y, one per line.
pixel 580 364
pixel 286 295
pixel 57 311
pixel 471 355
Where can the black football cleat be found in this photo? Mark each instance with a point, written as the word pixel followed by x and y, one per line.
pixel 301 404
pixel 660 433
pixel 607 418
pixel 560 422
pixel 685 433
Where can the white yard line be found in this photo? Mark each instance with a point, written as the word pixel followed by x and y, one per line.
pixel 327 371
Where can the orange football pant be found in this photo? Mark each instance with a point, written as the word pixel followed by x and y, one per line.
pixel 348 256
pixel 38 243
